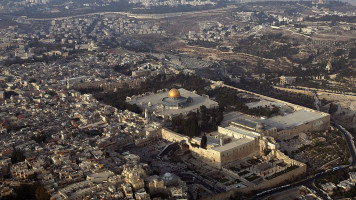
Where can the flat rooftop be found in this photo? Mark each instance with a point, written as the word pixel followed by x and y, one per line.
pixel 244 119
pixel 248 133
pixel 294 119
pixel 280 122
pixel 270 104
pixel 232 144
pixel 214 138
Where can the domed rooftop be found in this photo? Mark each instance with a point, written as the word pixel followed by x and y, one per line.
pixel 173 93
pixel 260 126
pixel 168 176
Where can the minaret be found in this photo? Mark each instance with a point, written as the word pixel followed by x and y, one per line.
pixel 146 114
pixel 329 66
pixel 67 83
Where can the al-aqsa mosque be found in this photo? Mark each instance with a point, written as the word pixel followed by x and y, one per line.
pixel 167 103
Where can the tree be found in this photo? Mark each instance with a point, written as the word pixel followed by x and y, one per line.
pixel 17 156
pixel 204 141
pixel 236 196
pixel 352 54
pixel 220 117
pixel 8 94
pixel 41 193
pixel 203 109
pixel 41 138
pixel 190 125
pixel 332 108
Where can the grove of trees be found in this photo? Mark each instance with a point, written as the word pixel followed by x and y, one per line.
pixel 29 191
pixel 17 156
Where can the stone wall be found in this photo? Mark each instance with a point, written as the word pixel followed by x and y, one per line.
pixel 280 155
pixel 295 91
pixel 315 125
pixel 218 159
pixel 235 134
pixel 108 86
pixel 294 106
pixel 278 180
pixel 172 136
pixel 208 156
pixel 239 152
pixel 267 183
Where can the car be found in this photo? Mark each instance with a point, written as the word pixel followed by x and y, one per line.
pixel 336 168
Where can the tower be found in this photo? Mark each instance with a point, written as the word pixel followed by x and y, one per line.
pixel 67 83
pixel 329 67
pixel 146 114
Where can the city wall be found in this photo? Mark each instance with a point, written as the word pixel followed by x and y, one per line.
pixel 295 91
pixel 220 158
pixel 278 180
pixel 294 106
pixel 267 183
pixel 239 152
pixel 172 136
pixel 208 156
pixel 108 86
pixel 280 155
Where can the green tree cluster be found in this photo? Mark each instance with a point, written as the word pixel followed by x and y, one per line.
pixel 229 101
pixel 8 94
pixel 210 119
pixel 352 54
pixel 29 191
pixel 203 43
pixel 17 156
pixel 204 141
pixel 41 138
pixel 186 125
pixel 333 18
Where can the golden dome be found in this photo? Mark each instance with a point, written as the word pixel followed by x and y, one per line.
pixel 173 93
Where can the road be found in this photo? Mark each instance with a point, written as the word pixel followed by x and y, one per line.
pixel 348 141
pixel 141 16
pixel 308 182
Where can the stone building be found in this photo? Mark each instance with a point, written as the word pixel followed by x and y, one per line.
pixel 134 174
pixel 287 80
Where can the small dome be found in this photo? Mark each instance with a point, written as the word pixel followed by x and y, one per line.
pixel 260 127
pixel 168 176
pixel 173 93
